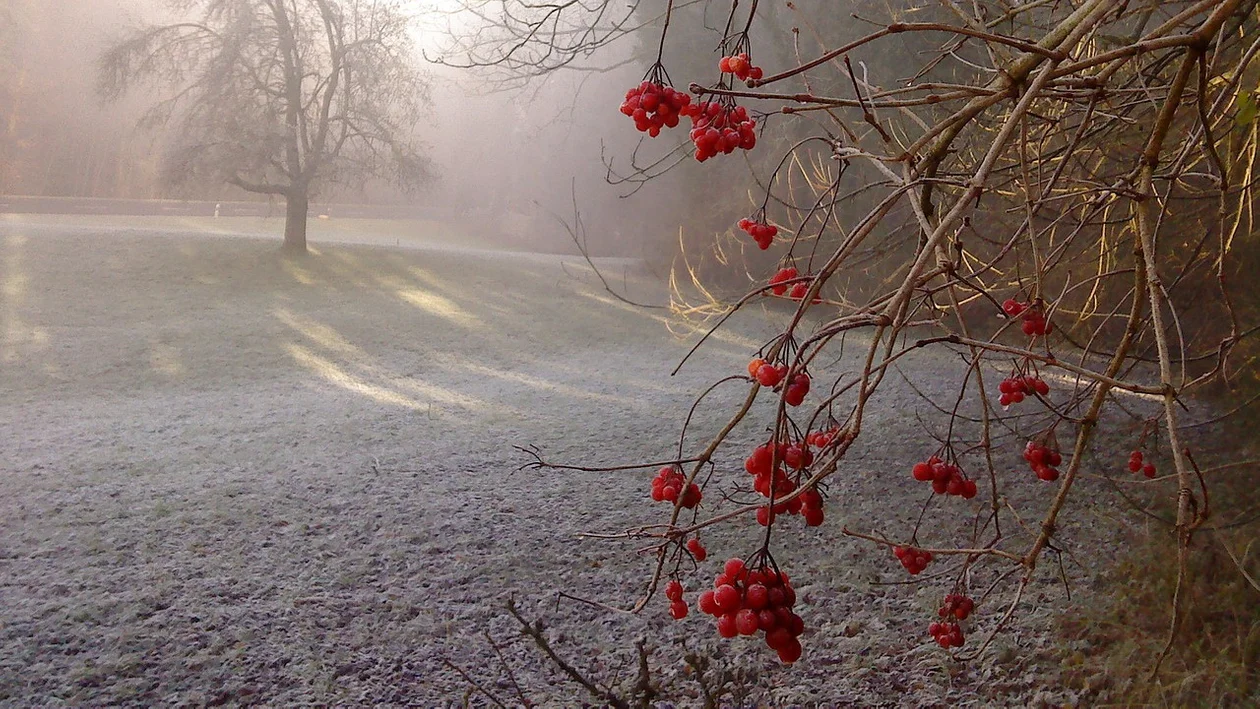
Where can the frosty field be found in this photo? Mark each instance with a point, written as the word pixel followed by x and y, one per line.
pixel 231 479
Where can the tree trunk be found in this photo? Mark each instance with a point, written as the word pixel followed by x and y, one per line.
pixel 295 223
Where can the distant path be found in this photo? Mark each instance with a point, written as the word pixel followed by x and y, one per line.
pixel 22 204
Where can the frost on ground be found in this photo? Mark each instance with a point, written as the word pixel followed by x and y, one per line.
pixel 231 479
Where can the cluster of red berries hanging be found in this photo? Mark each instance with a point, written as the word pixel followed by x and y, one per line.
pixel 821 439
pixel 670 483
pixel 1012 390
pixel 747 601
pixel 768 480
pixel 1137 466
pixel 1044 462
pixel 800 289
pixel 654 106
pixel 797 389
pixel 956 605
pixel 946 478
pixel 717 128
pixel 812 508
pixel 770 375
pixel 949 633
pixel 915 560
pixel 1034 317
pixel 779 279
pixel 674 593
pixel 740 66
pixel 761 232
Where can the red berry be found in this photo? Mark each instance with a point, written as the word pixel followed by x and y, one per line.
pixel 765 516
pixel 794 395
pixel 726 625
pixel 756 596
pixel 674 590
pixel 746 621
pixel 794 456
pixel 734 569
pixel 697 549
pixel 790 651
pixel 922 472
pixel 754 365
pixel 760 461
pixel 727 598
pixel 768 375
pixel 797 625
pixel 678 610
pixel 778 637
pixel 775 597
pixel 707 604
pixel 1149 470
pixel 767 619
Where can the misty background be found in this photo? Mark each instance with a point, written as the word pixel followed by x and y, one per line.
pixel 504 160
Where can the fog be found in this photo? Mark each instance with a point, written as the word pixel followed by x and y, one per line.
pixel 504 161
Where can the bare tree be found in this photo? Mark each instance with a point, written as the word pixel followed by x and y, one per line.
pixel 279 97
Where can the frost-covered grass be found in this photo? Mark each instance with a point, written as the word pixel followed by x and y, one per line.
pixel 230 478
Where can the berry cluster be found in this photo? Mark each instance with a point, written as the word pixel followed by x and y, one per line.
pixel 1043 461
pixel 670 482
pixel 677 606
pixel 946 478
pixel 654 106
pixel 761 232
pixel 779 280
pixel 746 601
pixel 716 128
pixel 821 439
pixel 797 389
pixel 915 560
pixel 1137 466
pixel 957 605
pixel 812 508
pixel 740 66
pixel 1034 317
pixel 1014 389
pixel 800 289
pixel 769 375
pixel 947 635
pixel 766 374
pixel 697 549
pixel 767 480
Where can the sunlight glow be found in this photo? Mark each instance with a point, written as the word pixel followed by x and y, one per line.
pixel 439 306
pixel 329 371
